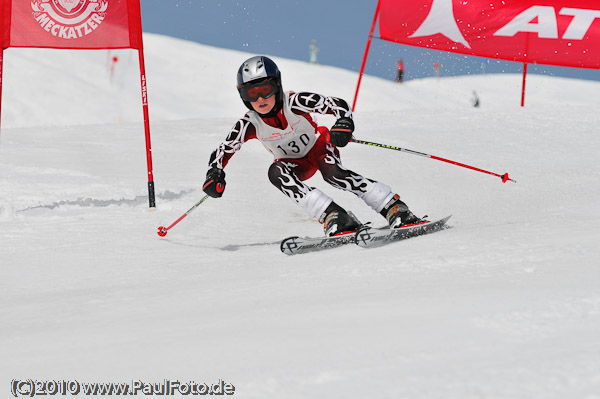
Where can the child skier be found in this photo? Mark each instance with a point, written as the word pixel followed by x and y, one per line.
pixel 283 124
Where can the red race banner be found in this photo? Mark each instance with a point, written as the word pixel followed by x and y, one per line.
pixel 557 32
pixel 72 24
pixel 78 24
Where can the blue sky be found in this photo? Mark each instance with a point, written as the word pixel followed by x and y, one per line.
pixel 285 28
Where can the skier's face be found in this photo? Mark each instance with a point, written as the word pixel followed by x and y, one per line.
pixel 263 105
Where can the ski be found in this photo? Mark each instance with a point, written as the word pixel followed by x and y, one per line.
pixel 369 237
pixel 302 245
pixel 366 237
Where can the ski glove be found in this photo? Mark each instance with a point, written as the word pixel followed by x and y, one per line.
pixel 215 182
pixel 340 133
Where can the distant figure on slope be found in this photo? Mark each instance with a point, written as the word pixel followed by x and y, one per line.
pixel 283 123
pixel 400 71
pixel 313 50
pixel 476 102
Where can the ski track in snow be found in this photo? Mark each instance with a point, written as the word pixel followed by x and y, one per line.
pixel 505 304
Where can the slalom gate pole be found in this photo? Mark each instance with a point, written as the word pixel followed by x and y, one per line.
pixel 504 177
pixel 151 195
pixel 364 61
pixel 1 68
pixel 162 230
pixel 524 82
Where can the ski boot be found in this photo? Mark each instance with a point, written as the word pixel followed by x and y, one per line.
pixel 336 221
pixel 397 213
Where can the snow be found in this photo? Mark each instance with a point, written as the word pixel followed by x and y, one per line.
pixel 504 304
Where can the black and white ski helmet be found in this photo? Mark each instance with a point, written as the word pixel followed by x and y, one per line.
pixel 256 69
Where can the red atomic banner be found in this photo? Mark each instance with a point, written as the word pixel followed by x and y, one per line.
pixel 553 32
pixel 71 24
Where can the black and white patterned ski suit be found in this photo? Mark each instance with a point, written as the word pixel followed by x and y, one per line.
pixel 300 148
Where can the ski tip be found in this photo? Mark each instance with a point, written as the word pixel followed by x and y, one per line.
pixel 443 221
pixel 288 245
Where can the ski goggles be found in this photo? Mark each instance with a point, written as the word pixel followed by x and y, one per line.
pixel 264 89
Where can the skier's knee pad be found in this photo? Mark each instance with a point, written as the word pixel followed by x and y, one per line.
pixel 315 202
pixel 377 195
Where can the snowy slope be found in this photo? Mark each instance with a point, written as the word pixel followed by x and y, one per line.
pixel 505 304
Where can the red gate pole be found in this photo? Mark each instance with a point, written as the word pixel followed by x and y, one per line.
pixel 504 177
pixel 151 198
pixel 364 61
pixel 524 81
pixel 1 66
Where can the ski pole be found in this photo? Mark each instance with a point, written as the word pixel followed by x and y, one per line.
pixel 504 177
pixel 162 230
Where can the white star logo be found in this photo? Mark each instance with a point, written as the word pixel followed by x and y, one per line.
pixel 441 20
